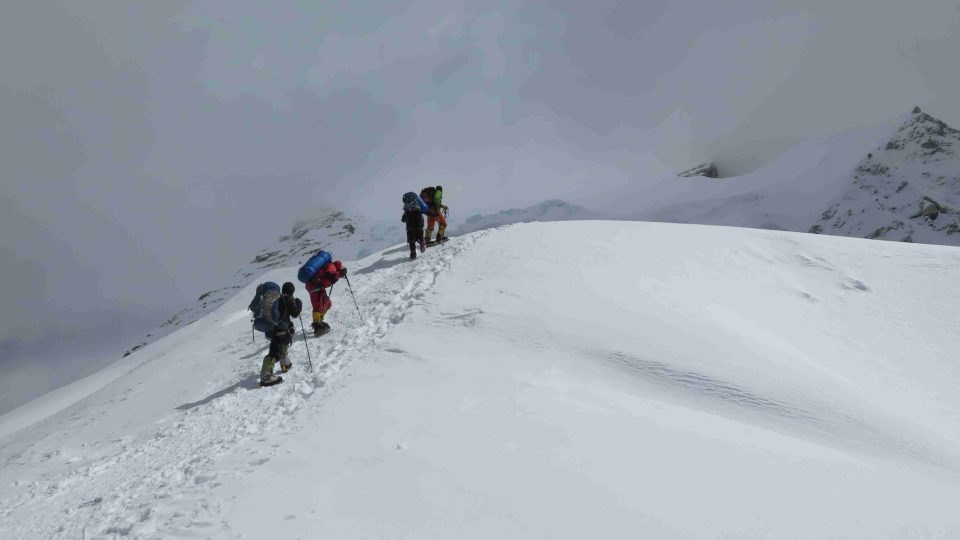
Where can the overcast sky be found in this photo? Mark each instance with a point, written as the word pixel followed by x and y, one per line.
pixel 148 148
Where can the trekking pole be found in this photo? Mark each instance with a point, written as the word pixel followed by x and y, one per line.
pixel 354 298
pixel 305 344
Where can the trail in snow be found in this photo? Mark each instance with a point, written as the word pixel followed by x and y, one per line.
pixel 157 483
pixel 562 380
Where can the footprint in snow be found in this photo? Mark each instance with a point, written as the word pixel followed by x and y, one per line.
pixel 855 285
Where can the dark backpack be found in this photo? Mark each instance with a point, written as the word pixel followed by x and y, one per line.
pixel 427 194
pixel 266 307
pixel 411 202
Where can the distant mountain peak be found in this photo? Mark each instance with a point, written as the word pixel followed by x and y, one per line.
pixel 307 236
pixel 925 136
pixel 908 189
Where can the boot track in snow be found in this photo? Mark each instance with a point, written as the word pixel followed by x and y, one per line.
pixel 154 486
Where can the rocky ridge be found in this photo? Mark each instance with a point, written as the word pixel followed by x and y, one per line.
pixel 906 190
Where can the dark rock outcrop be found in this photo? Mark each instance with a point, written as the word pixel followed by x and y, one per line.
pixel 708 170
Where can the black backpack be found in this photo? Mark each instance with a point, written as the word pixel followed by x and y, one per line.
pixel 427 194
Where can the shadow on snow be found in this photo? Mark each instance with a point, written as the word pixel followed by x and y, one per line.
pixel 250 382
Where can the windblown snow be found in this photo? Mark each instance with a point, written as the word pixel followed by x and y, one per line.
pixel 563 380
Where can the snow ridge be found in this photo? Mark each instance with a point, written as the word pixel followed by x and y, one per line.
pixel 550 210
pixel 142 486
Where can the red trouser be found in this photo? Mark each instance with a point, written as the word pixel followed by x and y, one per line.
pixel 436 218
pixel 321 303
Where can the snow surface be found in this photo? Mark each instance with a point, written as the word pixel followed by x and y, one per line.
pixel 562 380
pixel 552 210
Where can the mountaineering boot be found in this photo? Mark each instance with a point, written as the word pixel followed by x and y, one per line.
pixel 320 328
pixel 285 365
pixel 271 380
pixel 413 255
pixel 423 246
pixel 267 378
pixel 426 237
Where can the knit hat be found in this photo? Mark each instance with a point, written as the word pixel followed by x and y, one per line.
pixel 288 288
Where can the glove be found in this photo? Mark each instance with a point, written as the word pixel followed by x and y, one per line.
pixel 343 271
pixel 299 304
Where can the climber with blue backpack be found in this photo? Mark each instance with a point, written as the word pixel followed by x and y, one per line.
pixel 413 210
pixel 319 273
pixel 273 308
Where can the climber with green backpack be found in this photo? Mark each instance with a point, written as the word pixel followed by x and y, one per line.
pixel 437 213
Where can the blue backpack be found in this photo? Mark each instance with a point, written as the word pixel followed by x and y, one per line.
pixel 313 265
pixel 266 307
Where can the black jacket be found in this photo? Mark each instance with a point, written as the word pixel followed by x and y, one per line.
pixel 289 307
pixel 413 219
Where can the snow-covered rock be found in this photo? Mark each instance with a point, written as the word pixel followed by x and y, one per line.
pixel 908 189
pixel 708 170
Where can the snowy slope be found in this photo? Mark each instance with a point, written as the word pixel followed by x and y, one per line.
pixel 907 189
pixel 663 381
pixel 552 210
pixel 819 185
pixel 346 237
pixel 789 193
